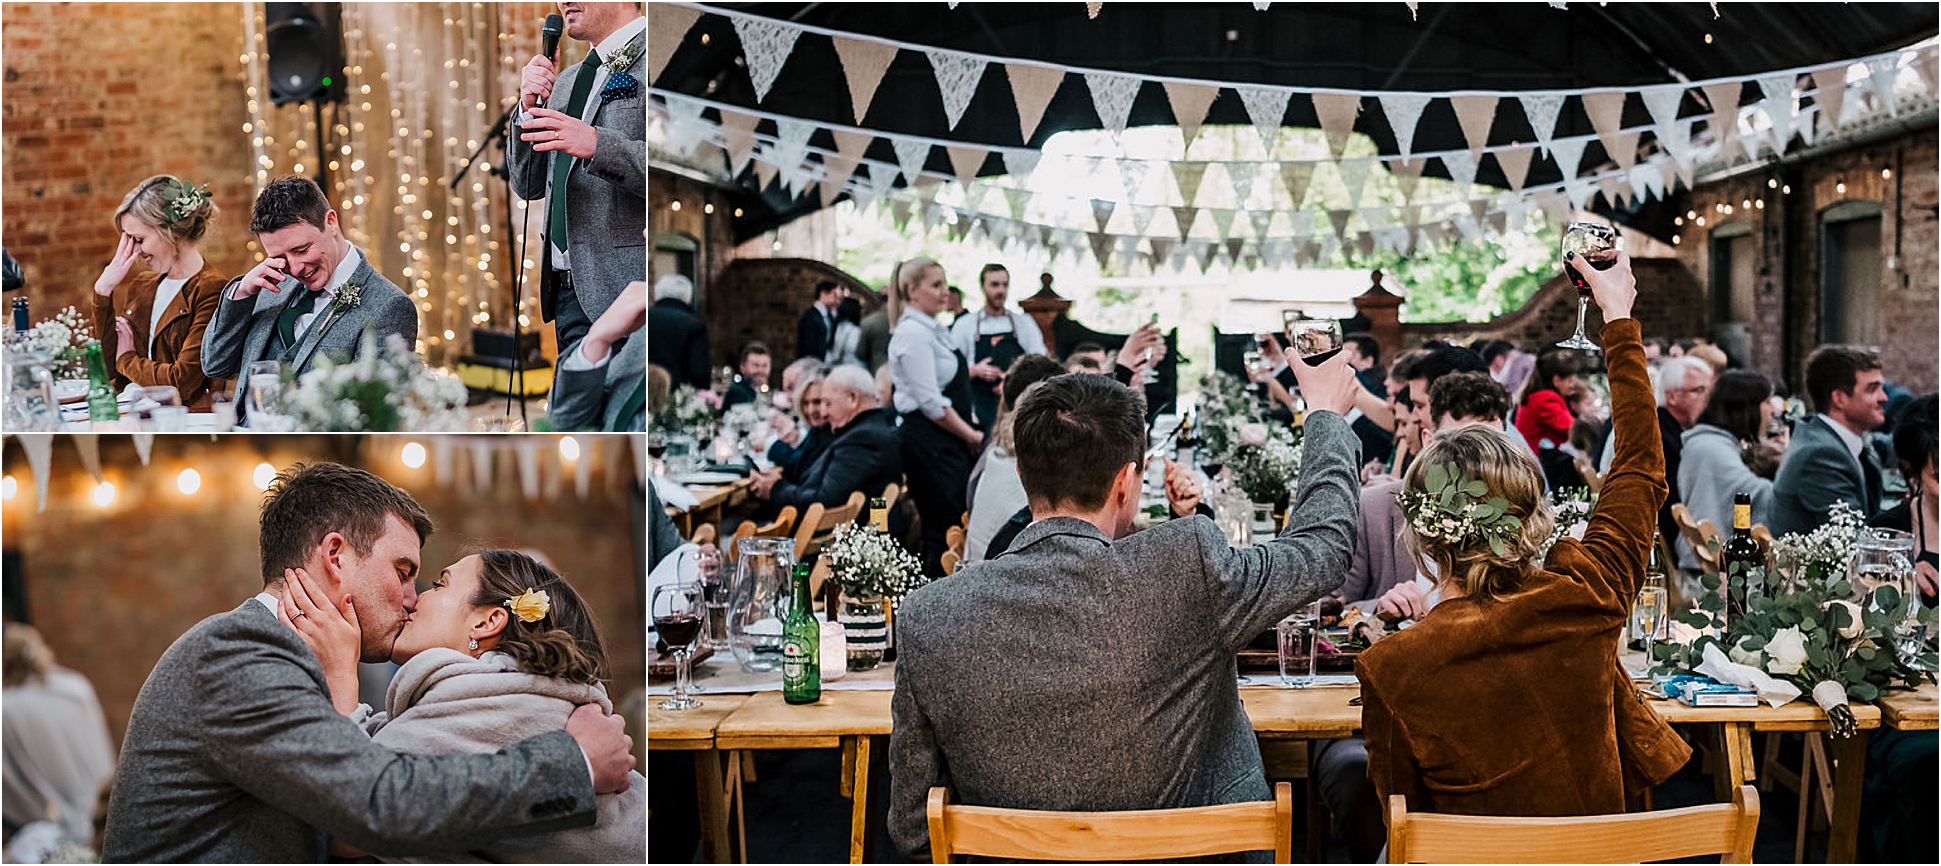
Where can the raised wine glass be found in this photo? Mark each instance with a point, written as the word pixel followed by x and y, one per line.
pixel 678 614
pixel 1596 245
pixel 1315 340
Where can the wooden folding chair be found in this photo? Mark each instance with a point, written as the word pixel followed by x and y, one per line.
pixel 1589 472
pixel 954 540
pixel 1639 837
pixel 950 561
pixel 819 521
pixel 1701 535
pixel 705 535
pixel 1154 834
pixel 784 522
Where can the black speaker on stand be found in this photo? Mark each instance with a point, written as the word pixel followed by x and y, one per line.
pixel 305 44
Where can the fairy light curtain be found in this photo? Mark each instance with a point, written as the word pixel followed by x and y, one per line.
pixel 424 84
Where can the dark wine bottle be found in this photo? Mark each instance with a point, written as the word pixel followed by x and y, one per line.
pixel 1741 555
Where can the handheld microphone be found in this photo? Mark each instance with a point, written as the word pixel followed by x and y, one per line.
pixel 555 25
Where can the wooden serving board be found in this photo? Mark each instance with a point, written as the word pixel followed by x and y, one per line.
pixel 660 665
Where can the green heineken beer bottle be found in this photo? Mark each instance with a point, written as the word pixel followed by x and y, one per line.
pixel 801 645
pixel 101 389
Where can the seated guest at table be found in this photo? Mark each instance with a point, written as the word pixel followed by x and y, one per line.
pixel 1920 512
pixel 1507 698
pixel 996 491
pixel 1365 355
pixel 932 394
pixel 1509 366
pixel 1711 355
pixel 863 451
pixel 1088 714
pixel 57 748
pixel 337 291
pixel 659 386
pixel 751 380
pixel 1683 387
pixel 1829 459
pixel 1712 468
pixel 1543 409
pixel 801 435
pixel 792 381
pixel 151 330
pixel 1086 358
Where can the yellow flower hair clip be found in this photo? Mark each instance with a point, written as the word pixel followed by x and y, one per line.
pixel 530 606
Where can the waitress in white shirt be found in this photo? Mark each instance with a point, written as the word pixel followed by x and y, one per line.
pixel 932 380
pixel 151 328
pixel 990 339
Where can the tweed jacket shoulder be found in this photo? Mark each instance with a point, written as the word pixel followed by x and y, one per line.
pixel 241 329
pixel 1518 705
pixel 175 357
pixel 1817 471
pixel 606 196
pixel 235 754
pixel 1073 672
pixel 593 399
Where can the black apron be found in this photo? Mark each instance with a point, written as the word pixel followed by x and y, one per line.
pixel 1000 350
pixel 938 466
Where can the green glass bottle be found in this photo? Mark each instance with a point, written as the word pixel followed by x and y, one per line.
pixel 101 390
pixel 801 645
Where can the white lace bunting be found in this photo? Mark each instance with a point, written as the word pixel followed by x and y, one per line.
pixel 766 44
pixel 957 77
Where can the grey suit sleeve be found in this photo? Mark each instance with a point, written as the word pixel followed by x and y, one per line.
pixel 222 343
pixel 398 316
pixel 270 729
pixel 1257 586
pixel 578 396
pixel 621 160
pixel 916 766
pixel 528 166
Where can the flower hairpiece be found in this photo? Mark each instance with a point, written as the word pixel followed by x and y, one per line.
pixel 183 199
pixel 531 605
pixel 1458 510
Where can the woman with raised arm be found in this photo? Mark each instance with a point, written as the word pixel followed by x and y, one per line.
pixel 1508 697
pixel 151 327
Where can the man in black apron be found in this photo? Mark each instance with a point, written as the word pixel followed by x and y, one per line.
pixel 990 354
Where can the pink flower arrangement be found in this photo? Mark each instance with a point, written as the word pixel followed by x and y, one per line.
pixel 712 398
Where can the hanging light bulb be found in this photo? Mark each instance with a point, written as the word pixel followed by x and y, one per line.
pixel 413 455
pixel 263 475
pixel 104 493
pixel 188 482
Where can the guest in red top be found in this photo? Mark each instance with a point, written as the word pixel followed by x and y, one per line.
pixel 1543 412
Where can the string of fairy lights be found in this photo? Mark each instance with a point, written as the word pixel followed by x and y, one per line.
pixel 421 92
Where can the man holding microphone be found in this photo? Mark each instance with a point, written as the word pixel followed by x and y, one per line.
pixel 579 139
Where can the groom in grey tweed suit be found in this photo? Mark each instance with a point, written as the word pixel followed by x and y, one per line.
pixel 238 751
pixel 1088 668
pixel 339 292
pixel 580 140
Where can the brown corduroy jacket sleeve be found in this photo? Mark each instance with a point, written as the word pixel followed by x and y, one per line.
pixel 203 293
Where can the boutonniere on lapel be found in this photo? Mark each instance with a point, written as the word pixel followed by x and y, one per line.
pixel 620 84
pixel 348 298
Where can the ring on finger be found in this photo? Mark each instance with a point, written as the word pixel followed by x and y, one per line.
pixel 298 614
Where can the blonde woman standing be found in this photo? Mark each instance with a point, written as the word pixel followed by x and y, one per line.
pixel 152 327
pixel 932 393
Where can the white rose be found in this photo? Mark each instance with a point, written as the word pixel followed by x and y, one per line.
pixel 1253 434
pixel 1854 624
pixel 1786 652
pixel 1744 656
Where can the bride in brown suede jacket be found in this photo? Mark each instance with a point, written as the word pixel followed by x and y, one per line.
pixel 1508 697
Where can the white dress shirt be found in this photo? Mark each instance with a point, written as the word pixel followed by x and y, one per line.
pixel 164 295
pixel 969 326
pixel 923 360
pixel 609 46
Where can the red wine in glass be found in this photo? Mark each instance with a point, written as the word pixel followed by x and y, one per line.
pixel 678 629
pixel 1320 358
pixel 1593 244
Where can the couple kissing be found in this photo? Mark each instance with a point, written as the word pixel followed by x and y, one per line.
pixel 496 741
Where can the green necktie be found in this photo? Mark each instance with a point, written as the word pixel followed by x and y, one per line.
pixel 563 161
pixel 286 322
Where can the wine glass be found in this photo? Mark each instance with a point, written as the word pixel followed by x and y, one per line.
pixel 222 404
pixel 1595 245
pixel 715 590
pixel 1315 340
pixel 677 616
pixel 263 391
pixel 1647 617
pixel 163 406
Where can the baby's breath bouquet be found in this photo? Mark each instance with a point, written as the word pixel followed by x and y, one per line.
pixel 386 392
pixel 1264 459
pixel 64 340
pixel 689 411
pixel 871 564
pixel 1572 507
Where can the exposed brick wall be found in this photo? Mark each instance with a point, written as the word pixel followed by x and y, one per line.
pixel 112 587
pixel 713 232
pixel 769 297
pixel 99 96
pixel 1786 238
pixel 1670 303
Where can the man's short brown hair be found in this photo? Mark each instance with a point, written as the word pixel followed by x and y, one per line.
pixel 1073 434
pixel 1836 368
pixel 1468 395
pixel 286 201
pixel 309 501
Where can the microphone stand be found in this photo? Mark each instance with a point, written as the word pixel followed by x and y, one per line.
pixel 501 131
